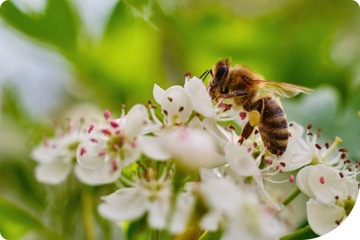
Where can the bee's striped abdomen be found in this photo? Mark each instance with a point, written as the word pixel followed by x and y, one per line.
pixel 273 126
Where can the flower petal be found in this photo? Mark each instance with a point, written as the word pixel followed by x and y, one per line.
pixel 153 148
pixel 158 93
pixel 135 120
pixel 200 98
pixel 331 185
pixel 303 183
pixel 124 204
pixel 102 175
pixel 53 172
pixel 322 217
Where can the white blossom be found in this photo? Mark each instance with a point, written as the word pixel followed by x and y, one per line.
pixel 56 155
pixel 106 151
pixel 332 196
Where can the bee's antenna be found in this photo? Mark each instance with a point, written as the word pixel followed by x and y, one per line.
pixel 205 74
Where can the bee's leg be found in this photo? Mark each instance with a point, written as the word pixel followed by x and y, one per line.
pixel 246 132
pixel 254 120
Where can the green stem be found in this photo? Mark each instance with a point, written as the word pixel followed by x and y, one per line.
pixel 87 214
pixel 291 197
pixel 297 233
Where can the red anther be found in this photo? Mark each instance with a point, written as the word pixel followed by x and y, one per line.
pixel 114 165
pixel 318 146
pixel 94 140
pixel 82 151
pixel 242 115
pixel 289 134
pixel 181 108
pixel 268 161
pixel 291 124
pixel 341 174
pixel 322 180
pixel 336 197
pixel 165 112
pixel 91 127
pixel 232 127
pixel 327 145
pixel 107 114
pixel 342 149
pixel 309 126
pixel 187 74
pixel 106 131
pixel 170 99
pixel 337 222
pixel 343 155
pixel 101 154
pixel 114 124
pixel 282 164
pixel 291 178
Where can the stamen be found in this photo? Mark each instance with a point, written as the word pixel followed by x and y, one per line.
pixel 341 174
pixel 91 127
pixel 170 99
pixel 181 108
pixel 94 140
pixel 322 180
pixel 107 114
pixel 291 178
pixel 102 154
pixel 82 151
pixel 242 115
pixel 106 131
pixel 114 124
pixel 318 146
pixel 309 126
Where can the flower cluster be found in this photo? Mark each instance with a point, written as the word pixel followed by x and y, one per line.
pixel 180 166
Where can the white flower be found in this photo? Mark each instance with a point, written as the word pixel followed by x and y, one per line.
pixel 56 155
pixel 151 196
pixel 177 103
pixel 332 196
pixel 103 155
pixel 240 215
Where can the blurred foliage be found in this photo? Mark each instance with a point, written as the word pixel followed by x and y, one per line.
pixel 311 43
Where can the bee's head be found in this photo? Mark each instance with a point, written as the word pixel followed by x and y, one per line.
pixel 219 75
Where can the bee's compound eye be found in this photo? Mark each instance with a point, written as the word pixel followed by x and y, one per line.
pixel 221 72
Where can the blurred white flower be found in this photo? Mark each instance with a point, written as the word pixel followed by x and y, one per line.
pixel 151 196
pixel 192 147
pixel 243 164
pixel 56 155
pixel 240 215
pixel 333 196
pixel 105 152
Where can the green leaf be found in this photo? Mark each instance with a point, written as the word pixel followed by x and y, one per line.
pixel 56 26
pixel 15 222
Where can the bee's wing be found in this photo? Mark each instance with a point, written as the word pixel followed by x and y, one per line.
pixel 281 89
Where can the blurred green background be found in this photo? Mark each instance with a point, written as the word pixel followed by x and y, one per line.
pixel 58 55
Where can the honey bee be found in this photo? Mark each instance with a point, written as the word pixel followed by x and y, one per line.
pixel 244 90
